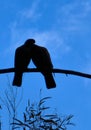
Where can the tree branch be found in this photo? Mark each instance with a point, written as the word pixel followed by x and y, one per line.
pixel 10 70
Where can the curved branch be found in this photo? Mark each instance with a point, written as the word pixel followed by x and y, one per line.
pixel 10 70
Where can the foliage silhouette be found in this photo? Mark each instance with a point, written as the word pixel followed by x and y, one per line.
pixel 34 118
pixel 10 101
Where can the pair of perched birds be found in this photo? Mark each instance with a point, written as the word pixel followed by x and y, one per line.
pixel 41 59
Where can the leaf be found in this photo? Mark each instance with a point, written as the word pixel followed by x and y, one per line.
pixel 15 123
pixel 25 117
pixel 38 114
pixel 28 102
pixel 18 120
pixel 16 127
pixel 53 116
pixel 43 100
pixel 69 117
pixel 32 122
pixel 43 127
pixel 44 108
pixel 50 121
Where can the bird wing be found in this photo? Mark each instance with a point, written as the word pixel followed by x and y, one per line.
pixel 22 57
pixel 41 58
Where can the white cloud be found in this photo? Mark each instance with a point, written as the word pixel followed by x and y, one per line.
pixel 31 13
pixel 74 14
pixel 77 8
pixel 50 39
pixel 87 7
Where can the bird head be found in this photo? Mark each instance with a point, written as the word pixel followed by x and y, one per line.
pixel 29 42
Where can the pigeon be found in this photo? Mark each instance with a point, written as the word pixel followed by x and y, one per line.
pixel 42 60
pixel 22 60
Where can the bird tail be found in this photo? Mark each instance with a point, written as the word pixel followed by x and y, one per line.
pixel 17 81
pixel 50 82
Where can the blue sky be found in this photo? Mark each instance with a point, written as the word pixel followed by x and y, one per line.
pixel 64 28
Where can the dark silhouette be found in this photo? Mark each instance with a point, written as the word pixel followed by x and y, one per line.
pixel 40 57
pixel 22 59
pixel 55 70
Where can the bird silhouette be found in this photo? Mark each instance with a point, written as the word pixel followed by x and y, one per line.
pixel 22 60
pixel 41 59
